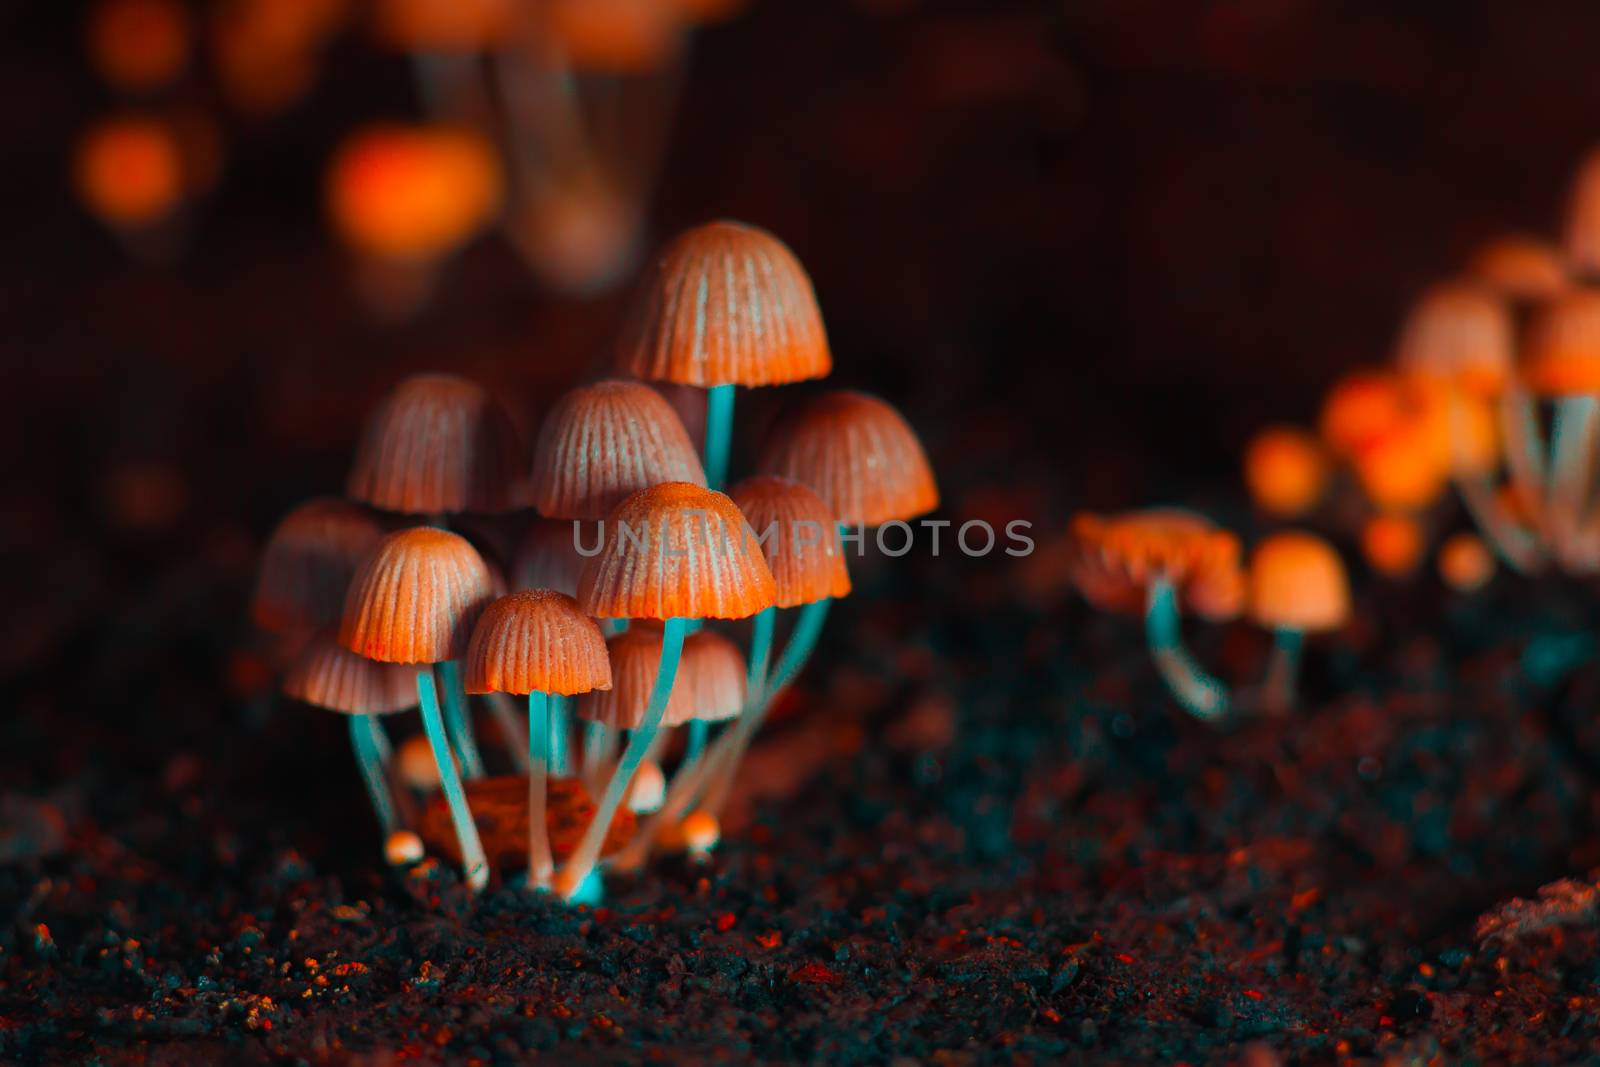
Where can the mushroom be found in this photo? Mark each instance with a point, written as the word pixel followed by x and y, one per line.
pixel 538 644
pixel 307 565
pixel 129 172
pixel 671 553
pixel 331 677
pixel 415 600
pixel 726 304
pixel 1524 270
pixel 1465 564
pixel 1297 585
pixel 138 46
pixel 1286 471
pixel 1153 561
pixel 1393 543
pixel 1561 362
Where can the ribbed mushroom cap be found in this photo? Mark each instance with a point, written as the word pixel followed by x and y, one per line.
pixel 536 641
pixel 548 556
pixel 438 444
pixel 799 538
pixel 1114 559
pixel 416 598
pixel 677 551
pixel 858 453
pixel 601 443
pixel 1298 582
pixel 1562 356
pixel 327 675
pixel 1521 269
pixel 710 683
pixel 1582 231
pixel 726 303
pixel 308 562
pixel 1460 334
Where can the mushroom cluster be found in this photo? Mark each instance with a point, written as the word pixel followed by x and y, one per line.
pixel 605 611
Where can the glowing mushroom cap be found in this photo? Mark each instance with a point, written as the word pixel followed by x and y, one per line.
pixel 548 556
pixel 1115 559
pixel 1405 469
pixel 1286 471
pixel 138 45
pixel 308 562
pixel 438 444
pixel 1521 269
pixel 858 453
pixel 726 303
pixel 413 193
pixel 330 676
pixel 1562 355
pixel 798 536
pixel 1582 232
pixel 1362 406
pixel 710 684
pixel 447 25
pixel 602 443
pixel 1298 582
pixel 129 171
pixel 613 36
pixel 1393 544
pixel 677 550
pixel 1460 334
pixel 536 641
pixel 1465 563
pixel 416 598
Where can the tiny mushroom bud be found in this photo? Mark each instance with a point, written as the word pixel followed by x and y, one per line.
pixel 1297 585
pixel 1286 471
pixel 1465 563
pixel 403 848
pixel 1393 544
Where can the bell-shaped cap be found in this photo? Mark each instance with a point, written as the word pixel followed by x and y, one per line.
pixel 858 453
pixel 1459 334
pixel 710 683
pixel 1115 559
pixel 1298 582
pixel 726 303
pixel 536 641
pixel 1562 356
pixel 438 445
pixel 601 443
pixel 308 562
pixel 416 598
pixel 327 675
pixel 677 551
pixel 798 536
pixel 1521 269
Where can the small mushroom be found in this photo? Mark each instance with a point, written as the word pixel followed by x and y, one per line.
pixel 1297 585
pixel 1286 471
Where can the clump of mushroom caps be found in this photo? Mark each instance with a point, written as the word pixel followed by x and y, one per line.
pixel 606 618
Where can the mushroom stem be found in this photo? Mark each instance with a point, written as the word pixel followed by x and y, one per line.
pixel 1572 443
pixel 540 865
pixel 366 736
pixel 458 719
pixel 1200 694
pixel 1514 544
pixel 695 746
pixel 560 751
pixel 802 641
pixel 599 741
pixel 473 863
pixel 719 434
pixel 587 854
pixel 1519 422
pixel 506 718
pixel 1283 672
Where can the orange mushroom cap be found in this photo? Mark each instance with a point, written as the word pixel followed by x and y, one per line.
pixel 448 25
pixel 438 444
pixel 416 598
pixel 1459 334
pixel 1361 406
pixel 1286 471
pixel 1393 544
pixel 677 550
pixel 330 676
pixel 413 192
pixel 129 171
pixel 1114 560
pixel 1562 355
pixel 308 562
pixel 1521 269
pixel 858 453
pixel 798 536
pixel 578 232
pixel 1406 469
pixel 726 303
pixel 1465 563
pixel 1582 232
pixel 601 443
pixel 536 640
pixel 139 45
pixel 613 36
pixel 1298 582
pixel 710 684
pixel 548 556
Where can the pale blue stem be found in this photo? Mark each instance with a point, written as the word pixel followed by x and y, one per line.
pixel 598 741
pixel 1572 441
pixel 458 719
pixel 366 735
pixel 560 737
pixel 539 746
pixel 473 862
pixel 587 853
pixel 719 434
pixel 1200 694
pixel 1524 449
pixel 699 731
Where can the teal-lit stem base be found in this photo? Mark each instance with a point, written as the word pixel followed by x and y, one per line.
pixel 458 720
pixel 540 866
pixel 1200 694
pixel 366 736
pixel 473 862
